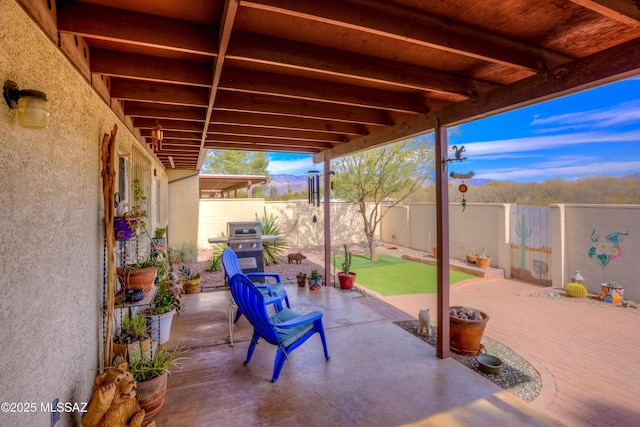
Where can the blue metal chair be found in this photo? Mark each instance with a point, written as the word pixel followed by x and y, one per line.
pixel 274 292
pixel 286 329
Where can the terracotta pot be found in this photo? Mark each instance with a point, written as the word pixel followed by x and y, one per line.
pixel 191 286
pixel 346 280
pixel 301 280
pixel 483 261
pixel 137 278
pixel 471 259
pixel 434 249
pixel 466 334
pixel 151 394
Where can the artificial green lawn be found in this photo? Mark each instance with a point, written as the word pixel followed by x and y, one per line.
pixel 396 276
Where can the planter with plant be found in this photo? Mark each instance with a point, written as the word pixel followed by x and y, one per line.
pixel 302 279
pixel 314 280
pixel 471 258
pixel 166 302
pixel 133 340
pixel 346 277
pixel 612 293
pixel 483 261
pixel 151 375
pixel 159 242
pixel 140 275
pixel 190 281
pixel 127 222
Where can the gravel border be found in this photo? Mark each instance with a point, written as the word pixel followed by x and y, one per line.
pixel 516 375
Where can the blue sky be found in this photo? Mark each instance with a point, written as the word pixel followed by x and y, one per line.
pixel 592 133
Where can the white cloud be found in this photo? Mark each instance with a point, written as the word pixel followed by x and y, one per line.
pixel 627 112
pixel 544 142
pixel 291 167
pixel 544 171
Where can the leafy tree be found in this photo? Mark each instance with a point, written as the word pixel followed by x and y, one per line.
pixel 387 174
pixel 230 162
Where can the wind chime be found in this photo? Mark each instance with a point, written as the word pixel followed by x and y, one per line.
pixel 463 188
pixel 313 190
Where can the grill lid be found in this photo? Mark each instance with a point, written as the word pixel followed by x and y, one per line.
pixel 244 230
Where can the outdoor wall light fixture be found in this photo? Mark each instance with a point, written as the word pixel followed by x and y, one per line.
pixel 32 105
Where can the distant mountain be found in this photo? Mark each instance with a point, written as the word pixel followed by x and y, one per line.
pixel 282 183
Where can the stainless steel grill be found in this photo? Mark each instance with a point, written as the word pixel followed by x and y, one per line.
pixel 245 239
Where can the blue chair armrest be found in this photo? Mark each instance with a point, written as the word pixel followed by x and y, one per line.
pixel 300 320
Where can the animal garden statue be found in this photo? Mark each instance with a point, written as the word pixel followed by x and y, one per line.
pixel 424 322
pixel 113 401
pixel 296 257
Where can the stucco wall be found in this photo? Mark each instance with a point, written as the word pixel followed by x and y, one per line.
pixel 51 238
pixel 184 194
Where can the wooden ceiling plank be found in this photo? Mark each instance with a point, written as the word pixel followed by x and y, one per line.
pixel 236 79
pixel 168 134
pixel 324 61
pixel 280 148
pixel 302 124
pixel 150 68
pixel 107 23
pixel 132 90
pixel 163 111
pixel 275 133
pixel 618 62
pixel 168 125
pixel 267 141
pixel 282 106
pixel 228 18
pixel 624 11
pixel 417 27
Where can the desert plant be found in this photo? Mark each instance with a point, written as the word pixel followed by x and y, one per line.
pixel 314 275
pixel 271 251
pixel 186 274
pixel 576 290
pixel 134 328
pixel 346 265
pixel 214 262
pixel 159 233
pixel 146 368
pixel 184 253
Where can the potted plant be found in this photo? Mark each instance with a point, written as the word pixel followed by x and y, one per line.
pixel 466 327
pixel 151 375
pixel 315 280
pixel 190 281
pixel 612 293
pixel 133 340
pixel 140 275
pixel 158 242
pixel 126 224
pixel 346 277
pixel 471 258
pixel 302 279
pixel 166 302
pixel 434 250
pixel 483 261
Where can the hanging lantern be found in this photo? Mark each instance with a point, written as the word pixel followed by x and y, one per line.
pixel 157 135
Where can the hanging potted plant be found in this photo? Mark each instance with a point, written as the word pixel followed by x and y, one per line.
pixel 140 275
pixel 483 261
pixel 134 339
pixel 346 277
pixel 166 303
pixel 190 281
pixel 126 224
pixel 151 375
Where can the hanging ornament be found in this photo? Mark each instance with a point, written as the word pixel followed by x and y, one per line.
pixel 463 188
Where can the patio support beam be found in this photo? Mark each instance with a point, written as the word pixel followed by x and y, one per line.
pixel 328 277
pixel 442 227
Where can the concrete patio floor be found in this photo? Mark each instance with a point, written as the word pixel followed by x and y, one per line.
pixel 378 375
